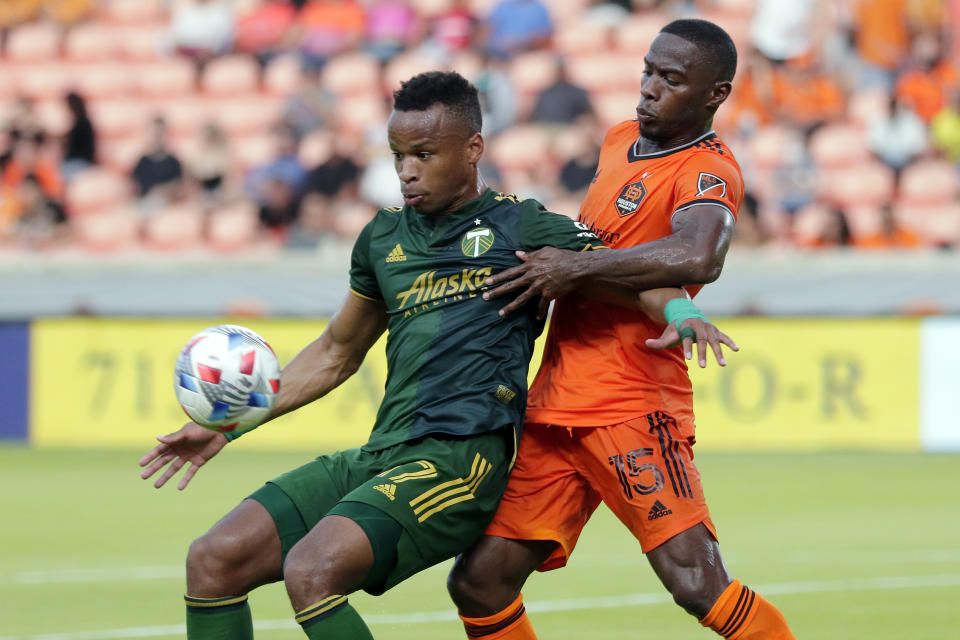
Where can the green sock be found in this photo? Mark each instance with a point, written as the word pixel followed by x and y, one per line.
pixel 219 618
pixel 333 619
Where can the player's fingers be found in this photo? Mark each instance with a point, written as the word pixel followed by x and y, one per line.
pixel 188 476
pixel 169 473
pixel 702 351
pixel 506 274
pixel 687 350
pixel 157 464
pixel 519 301
pixel 152 455
pixel 727 340
pixel 715 343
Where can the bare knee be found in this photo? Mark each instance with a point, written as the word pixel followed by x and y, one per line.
pixel 695 589
pixel 213 567
pixel 489 576
pixel 690 567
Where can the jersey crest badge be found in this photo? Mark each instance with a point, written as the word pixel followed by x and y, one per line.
pixel 710 185
pixel 476 242
pixel 397 255
pixel 630 198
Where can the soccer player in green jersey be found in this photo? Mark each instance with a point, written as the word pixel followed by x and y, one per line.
pixel 428 481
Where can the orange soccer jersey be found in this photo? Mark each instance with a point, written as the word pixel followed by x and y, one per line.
pixel 596 368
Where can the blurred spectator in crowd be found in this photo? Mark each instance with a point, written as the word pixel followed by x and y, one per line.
pixel 32 215
pixel 794 183
pixel 202 29
pixel 927 85
pixel 277 185
pixel 325 28
pixel 891 235
pixel 80 141
pixel 22 122
pixel 882 39
pixel 312 105
pixel 833 231
pixel 579 168
pixel 316 225
pixel 945 129
pixel 29 157
pixel 453 30
pixel 897 137
pixel 562 102
pixel 262 30
pixel 806 97
pixel 158 174
pixel 392 26
pixel 210 164
pixel 497 97
pixel 329 188
pixel 783 31
pixel 338 174
pixel 515 26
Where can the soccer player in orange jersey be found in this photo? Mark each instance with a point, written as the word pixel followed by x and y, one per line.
pixel 665 197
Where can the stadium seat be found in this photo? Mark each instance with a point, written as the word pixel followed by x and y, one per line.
pixel 482 8
pixel 404 67
pixel 54 116
pixel 116 229
pixel 351 219
pixel 358 114
pixel 165 79
pixel 865 184
pixel 90 42
pixel 316 147
pixel 42 80
pixel 248 115
pixel 838 145
pixel 33 42
pixel 103 80
pixel 575 37
pixel 140 43
pixel 184 115
pixel 613 107
pixel 121 154
pixel 235 75
pixel 533 72
pixel 929 182
pixel 769 144
pixel 866 105
pixel 601 72
pixel 138 12
pixel 427 9
pixel 177 227
pixel 937 224
pixel 116 118
pixel 253 150
pixel 864 221
pixel 809 224
pixel 636 33
pixel 521 147
pixel 282 74
pixel 350 74
pixel 96 189
pixel 233 227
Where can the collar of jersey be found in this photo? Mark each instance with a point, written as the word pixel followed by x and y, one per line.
pixel 468 208
pixel 633 156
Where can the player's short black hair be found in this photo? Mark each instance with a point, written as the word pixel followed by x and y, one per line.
pixel 714 43
pixel 449 88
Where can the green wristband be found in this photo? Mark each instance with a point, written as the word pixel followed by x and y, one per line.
pixel 680 309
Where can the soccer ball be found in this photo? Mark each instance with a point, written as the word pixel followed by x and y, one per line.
pixel 227 378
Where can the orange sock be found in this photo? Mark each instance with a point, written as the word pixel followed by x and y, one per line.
pixel 741 614
pixel 510 624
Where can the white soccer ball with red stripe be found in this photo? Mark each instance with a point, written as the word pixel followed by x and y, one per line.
pixel 227 378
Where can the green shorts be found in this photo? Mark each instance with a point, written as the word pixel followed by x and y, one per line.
pixel 442 490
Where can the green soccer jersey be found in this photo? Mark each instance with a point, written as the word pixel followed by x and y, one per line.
pixel 453 364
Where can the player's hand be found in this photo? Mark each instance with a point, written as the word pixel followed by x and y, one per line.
pixel 546 273
pixel 706 334
pixel 192 443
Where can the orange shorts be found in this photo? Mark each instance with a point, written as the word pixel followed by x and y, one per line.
pixel 642 469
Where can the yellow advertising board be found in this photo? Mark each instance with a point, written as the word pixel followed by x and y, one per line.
pixel 809 384
pixel 797 384
pixel 109 382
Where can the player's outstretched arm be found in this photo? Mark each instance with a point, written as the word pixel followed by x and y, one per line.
pixel 684 324
pixel 692 254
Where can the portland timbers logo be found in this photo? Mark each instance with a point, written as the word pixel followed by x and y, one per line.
pixel 476 242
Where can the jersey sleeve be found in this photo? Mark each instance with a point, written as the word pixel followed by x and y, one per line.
pixel 363 279
pixel 541 228
pixel 708 178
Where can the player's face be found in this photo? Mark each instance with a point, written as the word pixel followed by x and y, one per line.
pixel 679 92
pixel 435 158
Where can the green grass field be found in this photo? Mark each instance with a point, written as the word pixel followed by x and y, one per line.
pixel 849 546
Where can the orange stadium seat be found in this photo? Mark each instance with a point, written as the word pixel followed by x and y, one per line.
pixel 233 227
pixel 467 63
pixel 636 33
pixel 184 115
pixel 937 224
pixel 41 80
pixel 866 105
pixel 33 42
pixel 91 41
pixel 234 75
pixel 248 115
pixel 521 147
pixel 116 118
pixel 350 74
pixel 929 182
pixel 103 80
pixel 357 114
pixel 809 224
pixel 253 150
pixel 177 227
pixel 602 72
pixel 143 43
pixel 769 145
pixel 166 79
pixel 96 190
pixel 613 107
pixel 116 229
pixel 482 8
pixel 135 11
pixel 864 221
pixel 282 74
pixel 533 72
pixel 54 116
pixel 838 145
pixel 121 154
pixel 316 147
pixel 575 36
pixel 865 184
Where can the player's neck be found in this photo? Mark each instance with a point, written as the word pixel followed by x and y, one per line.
pixel 646 146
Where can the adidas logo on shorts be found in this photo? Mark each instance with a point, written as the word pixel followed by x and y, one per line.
pixel 658 510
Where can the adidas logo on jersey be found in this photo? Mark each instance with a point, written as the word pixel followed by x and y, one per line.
pixel 397 254
pixel 389 490
pixel 658 510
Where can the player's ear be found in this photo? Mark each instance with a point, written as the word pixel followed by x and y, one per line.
pixel 719 93
pixel 475 148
